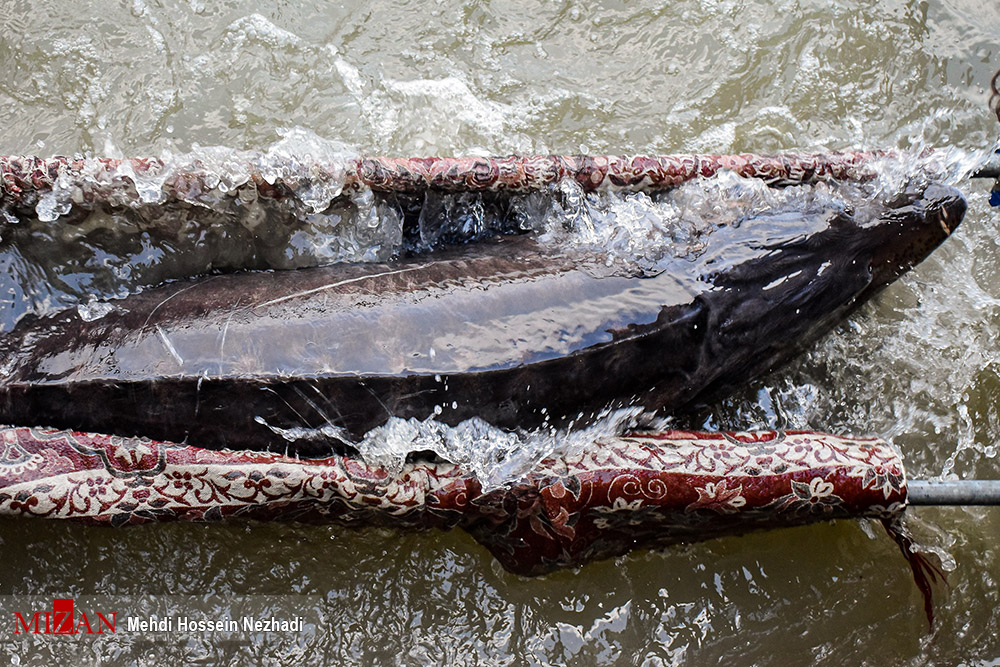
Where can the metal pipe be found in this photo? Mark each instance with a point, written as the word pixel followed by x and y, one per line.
pixel 959 492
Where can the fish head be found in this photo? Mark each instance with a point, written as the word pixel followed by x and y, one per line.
pixel 777 282
pixel 915 222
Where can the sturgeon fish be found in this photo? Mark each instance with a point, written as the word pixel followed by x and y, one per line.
pixel 510 331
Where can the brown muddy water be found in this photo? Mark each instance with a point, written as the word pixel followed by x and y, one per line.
pixel 920 365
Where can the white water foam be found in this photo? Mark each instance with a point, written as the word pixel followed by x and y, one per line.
pixel 496 457
pixel 637 231
pixel 313 168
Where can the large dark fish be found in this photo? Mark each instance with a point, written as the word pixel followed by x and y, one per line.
pixel 509 331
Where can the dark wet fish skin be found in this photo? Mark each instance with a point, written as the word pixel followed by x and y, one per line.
pixel 517 334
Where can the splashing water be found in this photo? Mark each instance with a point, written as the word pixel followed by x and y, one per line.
pixel 495 456
pixel 637 231
pixel 312 168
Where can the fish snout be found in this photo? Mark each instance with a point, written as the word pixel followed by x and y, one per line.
pixel 946 205
pixel 913 227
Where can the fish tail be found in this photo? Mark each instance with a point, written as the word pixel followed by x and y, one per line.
pixel 926 573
